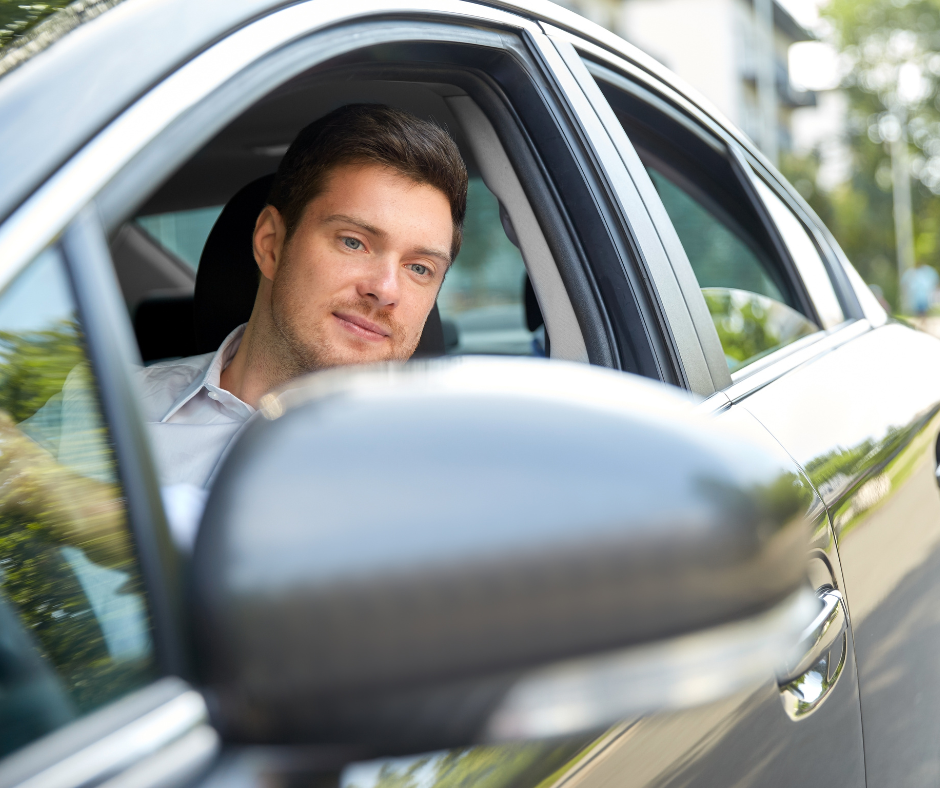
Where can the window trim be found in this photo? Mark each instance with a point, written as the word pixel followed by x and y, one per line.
pixel 163 725
pixel 845 292
pixel 670 286
pixel 769 368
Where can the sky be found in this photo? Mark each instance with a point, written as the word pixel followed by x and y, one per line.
pixel 39 298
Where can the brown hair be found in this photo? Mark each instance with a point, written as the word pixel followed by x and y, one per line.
pixel 376 134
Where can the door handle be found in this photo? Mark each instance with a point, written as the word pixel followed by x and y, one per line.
pixel 817 663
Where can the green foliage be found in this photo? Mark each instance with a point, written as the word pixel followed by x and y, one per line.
pixel 34 366
pixel 35 573
pixel 53 606
pixel 521 765
pixel 17 18
pixel 750 325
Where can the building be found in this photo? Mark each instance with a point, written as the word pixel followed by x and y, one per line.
pixel 714 45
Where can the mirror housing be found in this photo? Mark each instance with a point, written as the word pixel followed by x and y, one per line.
pixel 410 557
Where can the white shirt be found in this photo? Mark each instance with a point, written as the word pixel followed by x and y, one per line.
pixel 190 417
pixel 192 421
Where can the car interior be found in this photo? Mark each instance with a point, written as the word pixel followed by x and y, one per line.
pixel 185 264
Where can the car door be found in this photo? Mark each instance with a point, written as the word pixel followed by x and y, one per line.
pixel 744 298
pixel 867 437
pixel 90 649
pixel 806 730
pixel 855 404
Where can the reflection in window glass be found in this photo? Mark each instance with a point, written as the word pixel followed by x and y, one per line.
pixel 183 233
pixel 482 301
pixel 75 627
pixel 750 325
pixel 719 256
pixel 749 310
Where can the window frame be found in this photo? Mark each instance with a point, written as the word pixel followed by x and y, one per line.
pixel 599 62
pixel 562 219
pixel 189 131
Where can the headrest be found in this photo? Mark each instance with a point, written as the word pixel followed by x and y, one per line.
pixel 227 277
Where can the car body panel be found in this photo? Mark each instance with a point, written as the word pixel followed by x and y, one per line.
pixel 862 420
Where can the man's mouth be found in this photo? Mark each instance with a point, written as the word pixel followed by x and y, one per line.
pixel 360 327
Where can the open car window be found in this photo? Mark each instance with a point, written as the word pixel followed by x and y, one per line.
pixel 499 297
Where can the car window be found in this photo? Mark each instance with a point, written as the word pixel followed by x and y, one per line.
pixel 183 233
pixel 75 630
pixel 486 302
pixel 750 313
pixel 483 303
pixel 805 255
pixel 756 301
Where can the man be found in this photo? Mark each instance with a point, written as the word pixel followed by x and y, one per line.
pixel 364 218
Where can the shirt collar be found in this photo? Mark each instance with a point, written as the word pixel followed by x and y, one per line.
pixel 212 378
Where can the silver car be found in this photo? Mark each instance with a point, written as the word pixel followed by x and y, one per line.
pixel 685 530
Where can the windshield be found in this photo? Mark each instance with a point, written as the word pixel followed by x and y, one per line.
pixel 28 28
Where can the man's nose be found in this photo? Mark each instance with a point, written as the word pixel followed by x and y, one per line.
pixel 381 283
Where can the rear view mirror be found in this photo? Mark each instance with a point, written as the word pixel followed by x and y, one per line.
pixel 414 557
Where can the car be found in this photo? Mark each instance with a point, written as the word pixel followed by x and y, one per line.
pixel 584 569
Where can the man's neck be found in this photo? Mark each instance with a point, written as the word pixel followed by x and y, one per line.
pixel 257 366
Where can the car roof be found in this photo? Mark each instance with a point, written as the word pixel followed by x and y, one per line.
pixel 56 101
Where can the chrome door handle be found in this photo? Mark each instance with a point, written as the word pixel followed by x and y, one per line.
pixel 810 674
pixel 818 637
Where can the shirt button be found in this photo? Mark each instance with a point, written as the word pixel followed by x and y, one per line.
pixel 213 395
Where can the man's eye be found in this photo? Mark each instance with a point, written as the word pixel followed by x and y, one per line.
pixel 420 270
pixel 353 243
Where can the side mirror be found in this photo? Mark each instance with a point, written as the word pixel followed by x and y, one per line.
pixel 406 558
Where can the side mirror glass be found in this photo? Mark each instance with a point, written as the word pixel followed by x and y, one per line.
pixel 414 557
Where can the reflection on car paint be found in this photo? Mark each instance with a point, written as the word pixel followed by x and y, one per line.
pixel 863 421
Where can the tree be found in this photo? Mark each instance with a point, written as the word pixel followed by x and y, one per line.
pixel 892 48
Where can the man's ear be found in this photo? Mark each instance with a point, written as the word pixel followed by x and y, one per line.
pixel 268 241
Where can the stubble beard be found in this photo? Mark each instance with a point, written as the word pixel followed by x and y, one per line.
pixel 311 349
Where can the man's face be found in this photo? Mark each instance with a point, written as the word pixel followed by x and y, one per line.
pixel 357 279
